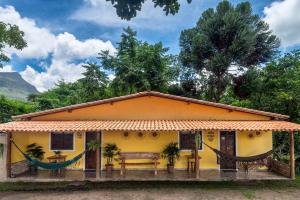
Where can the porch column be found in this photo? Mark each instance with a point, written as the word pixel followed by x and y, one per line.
pixel 292 154
pixel 196 154
pixel 98 156
pixel 8 154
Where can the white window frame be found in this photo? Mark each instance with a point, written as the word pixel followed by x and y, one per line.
pixel 62 150
pixel 188 150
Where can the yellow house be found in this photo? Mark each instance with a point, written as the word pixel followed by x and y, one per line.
pixel 145 123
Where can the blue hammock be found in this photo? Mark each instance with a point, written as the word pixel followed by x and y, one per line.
pixel 51 166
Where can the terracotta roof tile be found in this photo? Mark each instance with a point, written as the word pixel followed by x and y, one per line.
pixel 147 125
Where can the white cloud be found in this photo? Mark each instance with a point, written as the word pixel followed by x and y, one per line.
pixel 40 40
pixel 7 68
pixel 284 19
pixel 103 13
pixel 64 48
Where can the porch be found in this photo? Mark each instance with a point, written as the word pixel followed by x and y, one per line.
pixel 147 175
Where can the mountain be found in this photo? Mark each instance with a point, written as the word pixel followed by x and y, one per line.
pixel 12 85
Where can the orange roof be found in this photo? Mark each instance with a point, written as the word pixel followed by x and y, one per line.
pixel 147 125
pixel 151 93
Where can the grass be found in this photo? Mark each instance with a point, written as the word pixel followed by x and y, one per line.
pixel 247 188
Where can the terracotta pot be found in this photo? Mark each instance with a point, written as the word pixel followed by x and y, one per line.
pixel 109 168
pixel 170 169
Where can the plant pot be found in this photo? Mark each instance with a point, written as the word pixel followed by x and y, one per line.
pixel 170 169
pixel 109 168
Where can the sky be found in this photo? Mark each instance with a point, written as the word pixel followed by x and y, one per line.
pixel 63 35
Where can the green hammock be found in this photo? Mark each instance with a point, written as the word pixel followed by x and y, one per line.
pixel 51 166
pixel 247 159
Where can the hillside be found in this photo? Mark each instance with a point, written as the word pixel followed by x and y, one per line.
pixel 12 85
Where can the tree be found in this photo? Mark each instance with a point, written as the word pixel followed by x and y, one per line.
pixel 139 66
pixel 93 86
pixel 9 108
pixel 127 9
pixel 10 35
pixel 225 38
pixel 273 88
pixel 94 82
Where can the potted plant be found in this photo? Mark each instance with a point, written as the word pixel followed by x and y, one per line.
pixel 110 151
pixel 171 153
pixel 35 151
pixel 57 153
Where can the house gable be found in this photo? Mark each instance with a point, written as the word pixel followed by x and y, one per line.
pixel 150 107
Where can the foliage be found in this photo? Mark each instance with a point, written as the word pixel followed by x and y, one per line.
pixel 171 153
pixel 139 66
pixel 35 151
pixel 110 151
pixel 274 88
pixel 93 83
pixel 93 86
pixel 93 145
pixel 127 9
pixel 225 38
pixel 9 108
pixel 11 36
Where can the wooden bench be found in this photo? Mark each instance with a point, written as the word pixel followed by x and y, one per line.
pixel 153 157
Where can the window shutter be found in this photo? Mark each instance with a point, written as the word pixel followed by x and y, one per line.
pixel 62 141
pixel 187 140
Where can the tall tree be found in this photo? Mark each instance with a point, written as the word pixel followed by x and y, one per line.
pixel 94 82
pixel 139 66
pixel 10 35
pixel 127 9
pixel 226 37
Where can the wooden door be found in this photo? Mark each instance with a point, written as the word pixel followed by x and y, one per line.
pixel 90 156
pixel 227 145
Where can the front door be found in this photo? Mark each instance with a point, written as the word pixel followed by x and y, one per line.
pixel 90 156
pixel 227 145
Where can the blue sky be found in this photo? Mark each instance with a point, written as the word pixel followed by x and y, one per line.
pixel 62 35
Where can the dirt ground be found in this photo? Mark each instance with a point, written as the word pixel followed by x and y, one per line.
pixel 151 194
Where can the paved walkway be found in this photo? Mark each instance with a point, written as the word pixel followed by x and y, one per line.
pixel 142 175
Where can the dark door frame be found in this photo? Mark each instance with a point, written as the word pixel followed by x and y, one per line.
pixel 235 147
pixel 85 146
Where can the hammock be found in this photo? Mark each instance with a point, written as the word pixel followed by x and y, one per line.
pixel 240 159
pixel 51 166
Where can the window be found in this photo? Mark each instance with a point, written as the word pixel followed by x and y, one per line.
pixel 187 140
pixel 62 141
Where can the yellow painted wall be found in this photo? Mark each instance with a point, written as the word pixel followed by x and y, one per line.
pixel 246 146
pixel 149 144
pixel 151 108
pixel 258 144
pixel 42 139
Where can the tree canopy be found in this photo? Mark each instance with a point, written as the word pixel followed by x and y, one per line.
pixel 12 36
pixel 226 38
pixel 127 9
pixel 139 66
